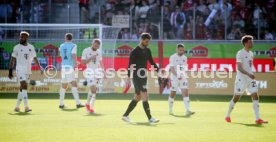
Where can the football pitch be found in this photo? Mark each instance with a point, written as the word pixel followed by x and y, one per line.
pixel 47 123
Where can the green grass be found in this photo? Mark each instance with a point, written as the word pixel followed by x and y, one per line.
pixel 48 123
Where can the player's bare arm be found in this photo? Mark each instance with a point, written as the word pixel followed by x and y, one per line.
pixel 88 60
pixel 10 67
pixel 38 64
pixel 102 66
pixel 241 69
pixel 75 59
pixel 131 66
pixel 173 71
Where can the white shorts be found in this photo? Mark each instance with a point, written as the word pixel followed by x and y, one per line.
pixel 243 84
pixel 23 77
pixel 176 83
pixel 67 77
pixel 97 82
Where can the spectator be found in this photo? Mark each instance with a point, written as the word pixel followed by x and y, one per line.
pixel 143 11
pixel 238 22
pixel 268 35
pixel 188 6
pixel 125 34
pixel 188 35
pixel 153 30
pixel 84 11
pixel 200 28
pixel 213 5
pixel 178 21
pixel 134 11
pixel 201 7
pixel 231 35
pixel 134 34
pixel 5 12
pixel 167 27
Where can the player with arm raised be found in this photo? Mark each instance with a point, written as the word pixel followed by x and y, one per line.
pixel 92 57
pixel 138 61
pixel 68 53
pixel 178 66
pixel 245 80
pixel 23 54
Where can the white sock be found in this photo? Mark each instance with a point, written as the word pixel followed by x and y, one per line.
pixel 19 99
pixel 89 96
pixel 170 100
pixel 256 109
pixel 25 97
pixel 231 107
pixel 76 95
pixel 92 101
pixel 61 96
pixel 186 101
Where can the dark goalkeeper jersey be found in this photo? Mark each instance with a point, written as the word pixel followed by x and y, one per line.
pixel 140 57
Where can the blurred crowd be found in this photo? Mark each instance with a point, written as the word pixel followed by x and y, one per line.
pixel 195 19
pixel 167 19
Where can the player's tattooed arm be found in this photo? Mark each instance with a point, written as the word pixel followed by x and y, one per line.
pixel 75 59
pixel 12 61
pixel 241 69
pixel 38 64
pixel 172 68
pixel 86 61
pixel 152 62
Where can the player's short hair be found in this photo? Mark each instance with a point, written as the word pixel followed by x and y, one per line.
pixel 69 36
pixel 246 38
pixel 96 41
pixel 179 45
pixel 24 33
pixel 145 36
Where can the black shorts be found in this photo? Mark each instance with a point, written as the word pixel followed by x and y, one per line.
pixel 140 84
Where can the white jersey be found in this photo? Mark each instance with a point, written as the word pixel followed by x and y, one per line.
pixel 246 58
pixel 24 56
pixel 243 82
pixel 179 63
pixel 88 53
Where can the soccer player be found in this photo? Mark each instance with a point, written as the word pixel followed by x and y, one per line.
pixel 245 80
pixel 178 65
pixel 138 60
pixel 23 54
pixel 92 57
pixel 68 51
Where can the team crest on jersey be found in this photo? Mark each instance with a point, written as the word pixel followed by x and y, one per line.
pixel 239 89
pixel 30 50
pixel 21 50
pixel 245 56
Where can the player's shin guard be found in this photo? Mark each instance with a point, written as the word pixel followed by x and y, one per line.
pixel 186 101
pixel 76 95
pixel 19 99
pixel 147 109
pixel 131 106
pixel 92 101
pixel 256 109
pixel 61 96
pixel 89 96
pixel 231 107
